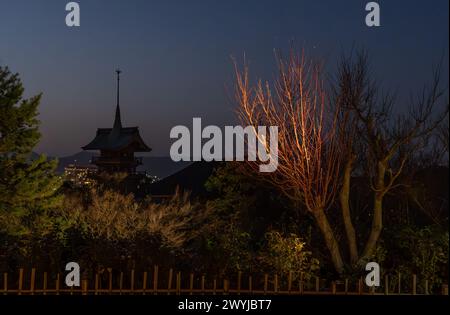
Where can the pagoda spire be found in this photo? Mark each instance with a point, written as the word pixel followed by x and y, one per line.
pixel 117 120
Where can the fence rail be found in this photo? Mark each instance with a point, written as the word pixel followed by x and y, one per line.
pixel 27 284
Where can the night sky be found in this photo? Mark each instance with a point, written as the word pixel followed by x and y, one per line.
pixel 175 56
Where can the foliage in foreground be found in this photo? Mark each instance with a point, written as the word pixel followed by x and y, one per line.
pixel 28 188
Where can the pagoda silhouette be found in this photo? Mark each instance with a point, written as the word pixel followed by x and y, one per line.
pixel 117 145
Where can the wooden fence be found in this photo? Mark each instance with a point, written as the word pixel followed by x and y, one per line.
pixel 170 282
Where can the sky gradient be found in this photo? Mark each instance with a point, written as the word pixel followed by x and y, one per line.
pixel 176 56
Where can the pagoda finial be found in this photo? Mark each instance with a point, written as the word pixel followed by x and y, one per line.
pixel 117 120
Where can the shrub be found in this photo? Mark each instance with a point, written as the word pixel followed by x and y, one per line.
pixel 283 254
pixel 420 251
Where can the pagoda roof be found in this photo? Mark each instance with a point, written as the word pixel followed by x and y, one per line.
pixel 114 139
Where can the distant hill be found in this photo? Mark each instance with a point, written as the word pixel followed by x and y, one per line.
pixel 162 166
pixel 157 166
pixel 191 178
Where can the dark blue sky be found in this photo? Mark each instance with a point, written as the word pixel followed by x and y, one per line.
pixel 175 56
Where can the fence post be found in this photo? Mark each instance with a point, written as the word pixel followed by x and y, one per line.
pixel 290 281
pixel 301 284
pixel 20 280
pixel 191 283
pixel 96 284
pixel 44 286
pixel 266 278
pixel 57 283
pixel 155 279
pixel 333 287
pixel 110 280
pixel 445 289
pixel 386 284
pixel 360 290
pixel 317 284
pixel 399 283
pixel 32 280
pixel 132 282
pixel 414 284
pixel 346 286
pixel 214 286
pixel 239 282
pixel 426 287
pixel 275 284
pixel 169 284
pixel 84 284
pixel 250 284
pixel 121 282
pixel 225 286
pixel 144 283
pixel 5 283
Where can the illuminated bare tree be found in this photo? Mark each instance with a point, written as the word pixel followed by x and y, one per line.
pixel 320 146
pixel 308 153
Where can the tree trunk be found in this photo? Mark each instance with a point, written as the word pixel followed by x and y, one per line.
pixel 377 222
pixel 330 240
pixel 344 197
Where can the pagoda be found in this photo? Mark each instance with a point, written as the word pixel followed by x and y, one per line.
pixel 117 145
